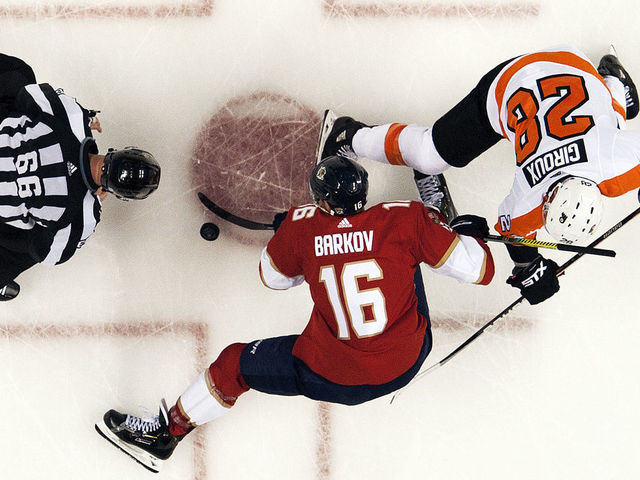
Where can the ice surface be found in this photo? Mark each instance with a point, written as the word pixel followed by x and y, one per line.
pixel 551 392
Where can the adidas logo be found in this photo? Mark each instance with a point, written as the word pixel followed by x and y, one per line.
pixel 71 168
pixel 344 223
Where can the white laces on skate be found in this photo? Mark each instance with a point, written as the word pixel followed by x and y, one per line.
pixel 430 191
pixel 144 425
pixel 347 152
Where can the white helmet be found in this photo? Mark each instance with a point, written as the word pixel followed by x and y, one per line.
pixel 572 209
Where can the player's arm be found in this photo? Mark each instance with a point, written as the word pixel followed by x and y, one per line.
pixel 35 242
pixel 464 257
pixel 279 266
pixel 534 275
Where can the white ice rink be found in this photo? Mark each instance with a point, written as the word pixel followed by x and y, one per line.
pixel 550 393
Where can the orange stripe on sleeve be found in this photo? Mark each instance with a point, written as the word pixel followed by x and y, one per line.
pixel 564 58
pixel 621 184
pixel 524 226
pixel 392 145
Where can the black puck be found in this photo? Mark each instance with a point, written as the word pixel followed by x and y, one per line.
pixel 209 231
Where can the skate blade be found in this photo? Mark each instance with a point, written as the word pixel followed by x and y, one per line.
pixel 327 124
pixel 145 459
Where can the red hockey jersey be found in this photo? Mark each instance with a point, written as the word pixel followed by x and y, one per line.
pixel 364 327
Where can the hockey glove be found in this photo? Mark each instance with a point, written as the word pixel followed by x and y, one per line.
pixel 537 281
pixel 278 219
pixel 470 225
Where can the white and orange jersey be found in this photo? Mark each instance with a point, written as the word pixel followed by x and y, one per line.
pixel 562 119
pixel 558 113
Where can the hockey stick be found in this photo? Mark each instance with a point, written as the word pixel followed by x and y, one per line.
pixel 504 312
pixel 252 225
pixel 230 217
pixel 555 246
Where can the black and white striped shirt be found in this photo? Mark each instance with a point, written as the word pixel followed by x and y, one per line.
pixel 41 187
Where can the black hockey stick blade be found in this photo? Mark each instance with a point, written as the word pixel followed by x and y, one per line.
pixel 230 217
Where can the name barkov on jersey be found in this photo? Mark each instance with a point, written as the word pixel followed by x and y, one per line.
pixel 540 167
pixel 341 243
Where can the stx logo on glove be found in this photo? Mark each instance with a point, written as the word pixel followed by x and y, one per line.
pixel 537 275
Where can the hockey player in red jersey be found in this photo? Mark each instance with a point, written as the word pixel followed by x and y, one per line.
pixel 566 121
pixel 369 330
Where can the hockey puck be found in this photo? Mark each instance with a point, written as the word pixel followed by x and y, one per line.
pixel 209 231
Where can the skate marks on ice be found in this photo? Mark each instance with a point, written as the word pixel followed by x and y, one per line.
pixel 33 9
pixel 84 369
pixel 435 9
pixel 253 158
pixel 39 9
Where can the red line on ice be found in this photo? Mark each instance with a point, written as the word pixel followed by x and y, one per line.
pixel 201 8
pixel 323 447
pixel 338 8
pixel 197 330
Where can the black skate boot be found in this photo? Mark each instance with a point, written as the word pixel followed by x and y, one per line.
pixel 336 135
pixel 435 194
pixel 9 291
pixel 148 441
pixel 610 65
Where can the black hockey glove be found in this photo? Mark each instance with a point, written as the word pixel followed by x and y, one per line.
pixel 536 281
pixel 278 219
pixel 470 225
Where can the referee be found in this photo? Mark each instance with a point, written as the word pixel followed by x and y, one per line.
pixel 52 178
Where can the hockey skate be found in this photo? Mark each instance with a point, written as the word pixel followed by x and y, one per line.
pixel 336 135
pixel 9 291
pixel 610 65
pixel 146 440
pixel 434 194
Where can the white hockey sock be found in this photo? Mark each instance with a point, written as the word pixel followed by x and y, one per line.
pixel 414 142
pixel 201 403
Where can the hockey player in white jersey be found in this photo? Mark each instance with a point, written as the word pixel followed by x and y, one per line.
pixel 566 120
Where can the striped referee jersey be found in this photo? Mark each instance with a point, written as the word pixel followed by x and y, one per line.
pixel 44 148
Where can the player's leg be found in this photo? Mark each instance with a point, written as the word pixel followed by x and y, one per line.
pixel 16 256
pixel 336 135
pixel 266 365
pixel 465 132
pixel 151 441
pixel 318 388
pixel 459 136
pixel 618 80
pixel 146 439
pixel 434 193
pixel 12 264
